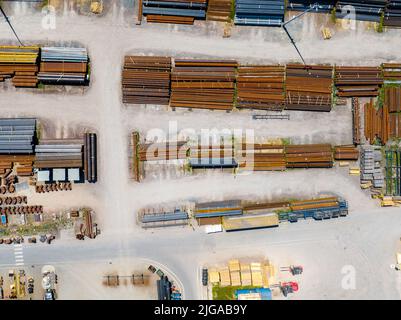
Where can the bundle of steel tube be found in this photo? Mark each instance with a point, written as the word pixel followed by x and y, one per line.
pixel 308 88
pixel 205 84
pixel 146 80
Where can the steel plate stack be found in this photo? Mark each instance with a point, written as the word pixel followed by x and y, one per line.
pixel 62 65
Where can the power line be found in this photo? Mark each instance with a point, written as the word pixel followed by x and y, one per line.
pixel 9 23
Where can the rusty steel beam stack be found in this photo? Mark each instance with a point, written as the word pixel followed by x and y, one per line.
pixel 346 153
pixel 203 84
pixel 20 64
pixel 135 155
pixel 162 151
pixel 261 87
pixel 219 10
pixel 262 157
pixel 146 80
pixel 25 162
pixel 356 121
pixel 358 81
pixel 309 156
pixel 376 123
pixel 152 18
pixel 308 88
pixel 391 72
pixel 392 100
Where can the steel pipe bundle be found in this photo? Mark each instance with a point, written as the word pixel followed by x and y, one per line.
pixel 218 209
pixel 309 156
pixel 366 10
pixel 204 84
pixel 261 87
pixel 259 12
pixel 58 155
pixel 174 11
pixel 356 121
pixel 392 14
pixel 346 153
pixel 146 80
pixel 90 158
pixel 17 136
pixel 20 64
pixel 358 81
pixel 377 123
pixel 62 65
pixel 302 5
pixel 214 156
pixel 163 151
pixel 262 157
pixel 391 72
pixel 308 88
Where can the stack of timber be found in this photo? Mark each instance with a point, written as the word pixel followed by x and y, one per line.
pixel 146 80
pixel 212 156
pixel 17 136
pixel 174 11
pixel 163 151
pixel 90 157
pixel 358 81
pixel 262 157
pixel 309 88
pixel 324 6
pixel 259 12
pixel 62 65
pixel 20 64
pixel 205 84
pixel 356 121
pixel 392 101
pixel 219 10
pixel 366 10
pixel 377 124
pixel 61 154
pixel 261 87
pixel 392 14
pixel 218 209
pixel 346 153
pixel 309 156
pixel 391 72
pixel 371 171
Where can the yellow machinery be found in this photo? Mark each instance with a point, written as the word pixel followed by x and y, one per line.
pixel 97 7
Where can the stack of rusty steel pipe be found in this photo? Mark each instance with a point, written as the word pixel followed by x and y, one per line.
pixel 391 72
pixel 346 153
pixel 261 87
pixel 21 210
pixel 358 81
pixel 20 64
pixel 163 151
pixel 309 156
pixel 219 10
pixel 203 84
pixel 308 88
pixel 146 80
pixel 262 157
pixel 392 101
pixel 376 123
pixel 356 121
pixel 51 187
pixel 174 11
pixel 13 200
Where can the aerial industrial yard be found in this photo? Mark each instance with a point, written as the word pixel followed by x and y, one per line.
pixel 169 150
